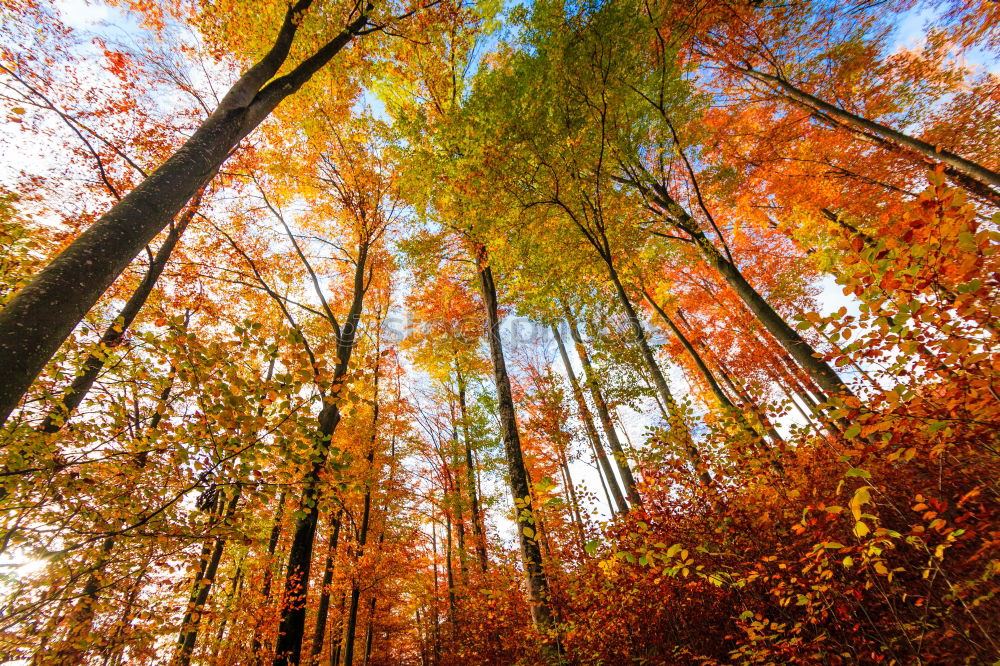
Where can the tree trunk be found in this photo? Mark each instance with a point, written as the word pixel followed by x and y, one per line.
pixel 449 571
pixel 116 647
pixel 893 137
pixel 369 637
pixel 41 316
pixel 115 333
pixel 724 402
pixel 459 504
pixel 80 619
pixel 590 379
pixel 234 589
pixel 200 592
pixel 421 637
pixel 588 419
pixel 747 400
pixel 788 379
pixel 786 336
pixel 272 546
pixel 293 617
pixel 324 598
pixel 338 632
pixel 352 610
pixel 369 632
pixel 520 486
pixel 477 526
pixel 435 628
pixel 675 417
pixel 571 495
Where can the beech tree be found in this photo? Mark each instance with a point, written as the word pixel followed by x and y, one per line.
pixel 37 320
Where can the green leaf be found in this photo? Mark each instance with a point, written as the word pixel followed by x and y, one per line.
pixel 936 425
pixel 591 546
pixel 858 472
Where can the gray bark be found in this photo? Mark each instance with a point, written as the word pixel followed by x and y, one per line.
pixel 588 422
pixel 893 137
pixel 787 337
pixel 319 633
pixel 115 333
pixel 41 316
pixel 520 484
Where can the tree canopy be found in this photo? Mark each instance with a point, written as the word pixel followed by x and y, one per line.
pixel 444 332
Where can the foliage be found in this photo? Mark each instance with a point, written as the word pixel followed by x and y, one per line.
pixel 764 234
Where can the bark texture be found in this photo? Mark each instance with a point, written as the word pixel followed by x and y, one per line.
pixel 520 484
pixel 588 422
pixel 42 315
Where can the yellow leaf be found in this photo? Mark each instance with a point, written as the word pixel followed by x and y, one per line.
pixel 861 497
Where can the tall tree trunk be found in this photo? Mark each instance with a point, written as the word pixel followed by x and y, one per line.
pixel 234 590
pixel 338 632
pixel 603 411
pixel 41 316
pixel 450 573
pixel 352 623
pixel 520 486
pixel 571 495
pixel 116 647
pixel 463 568
pixel 352 609
pixel 293 616
pixel 794 386
pixel 80 619
pixel 421 637
pixel 588 420
pixel 459 503
pixel 477 526
pixel 369 637
pixel 787 337
pixel 201 590
pixel 324 598
pixel 272 546
pixel 724 402
pixel 747 400
pixel 677 424
pixel 369 631
pixel 811 393
pixel 435 624
pixel 115 333
pixel 889 137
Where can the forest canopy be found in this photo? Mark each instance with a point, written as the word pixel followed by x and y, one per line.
pixel 447 332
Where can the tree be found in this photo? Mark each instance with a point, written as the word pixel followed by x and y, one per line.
pixel 39 318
